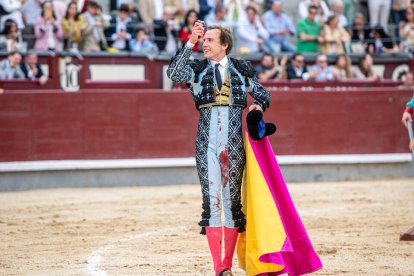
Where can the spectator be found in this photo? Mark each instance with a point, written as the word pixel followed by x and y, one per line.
pixel 11 40
pixel 279 25
pixel 9 67
pixel 32 70
pixel 322 10
pixel 141 42
pixel 269 68
pixel 150 11
pixel 407 32
pixel 360 34
pixel 342 69
pixel 219 17
pixel 337 8
pixel 321 71
pixel 166 32
pixel 383 43
pixel 204 9
pixel 334 39
pixel 296 68
pixel 364 70
pixel 11 10
pixel 379 12
pixel 48 30
pixel 308 33
pixel 398 11
pixel 93 38
pixel 186 28
pixel 72 27
pixel 236 9
pixel 349 9
pixel 250 34
pixel 120 30
pixel 31 10
pixel 180 8
pixel 408 81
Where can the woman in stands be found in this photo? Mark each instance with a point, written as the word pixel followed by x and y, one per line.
pixel 364 70
pixel 48 30
pixel 72 27
pixel 186 28
pixel 407 32
pixel 360 34
pixel 342 70
pixel 11 39
pixel 335 39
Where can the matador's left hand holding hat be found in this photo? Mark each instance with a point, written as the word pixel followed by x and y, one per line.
pixel 256 127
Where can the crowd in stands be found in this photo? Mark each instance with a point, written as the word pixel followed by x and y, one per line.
pixel 338 27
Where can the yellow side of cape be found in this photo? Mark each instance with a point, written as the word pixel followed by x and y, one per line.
pixel 264 229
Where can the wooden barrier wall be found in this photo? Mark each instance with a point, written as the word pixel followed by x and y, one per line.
pixel 148 124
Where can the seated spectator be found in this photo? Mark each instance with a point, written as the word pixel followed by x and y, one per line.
pixel 141 42
pixel 383 43
pixel 11 10
pixel 32 70
pixel 251 34
pixel 360 34
pixel 166 32
pixel 408 81
pixel 337 8
pixel 269 68
pixel 219 17
pixel 321 71
pixel 10 67
pixel 296 68
pixel 120 30
pixel 279 25
pixel 322 10
pixel 308 33
pixel 186 29
pixel 342 69
pixel 364 71
pixel 334 39
pixel 48 30
pixel 72 27
pixel 11 39
pixel 407 32
pixel 93 38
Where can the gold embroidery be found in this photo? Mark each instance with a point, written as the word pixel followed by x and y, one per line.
pixel 222 96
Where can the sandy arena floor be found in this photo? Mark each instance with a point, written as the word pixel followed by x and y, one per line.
pixel 354 226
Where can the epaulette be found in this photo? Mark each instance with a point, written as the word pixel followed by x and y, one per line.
pixel 244 67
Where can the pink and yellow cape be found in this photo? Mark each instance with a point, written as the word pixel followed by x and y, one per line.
pixel 275 241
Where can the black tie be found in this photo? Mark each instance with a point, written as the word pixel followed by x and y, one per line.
pixel 218 76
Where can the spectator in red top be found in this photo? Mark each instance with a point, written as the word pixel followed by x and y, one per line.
pixel 184 35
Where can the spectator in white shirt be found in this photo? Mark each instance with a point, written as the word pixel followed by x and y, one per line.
pixel 10 67
pixel 250 33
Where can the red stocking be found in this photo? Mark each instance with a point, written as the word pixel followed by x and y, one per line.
pixel 214 237
pixel 230 240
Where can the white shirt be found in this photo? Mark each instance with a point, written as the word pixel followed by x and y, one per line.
pixel 222 67
pixel 223 62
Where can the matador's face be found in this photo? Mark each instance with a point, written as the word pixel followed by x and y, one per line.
pixel 211 46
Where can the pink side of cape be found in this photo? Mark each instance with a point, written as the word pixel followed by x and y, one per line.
pixel 297 255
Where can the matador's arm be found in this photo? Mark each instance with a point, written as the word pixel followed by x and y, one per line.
pixel 179 69
pixel 258 92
